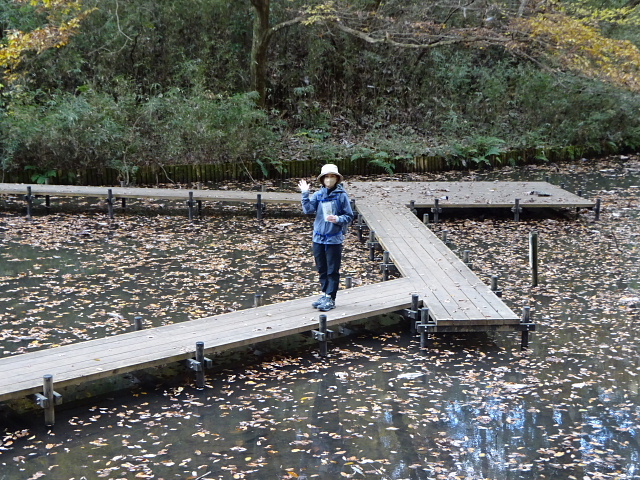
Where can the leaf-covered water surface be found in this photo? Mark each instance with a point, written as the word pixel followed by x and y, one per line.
pixel 470 406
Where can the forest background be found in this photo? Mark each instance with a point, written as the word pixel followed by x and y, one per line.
pixel 131 83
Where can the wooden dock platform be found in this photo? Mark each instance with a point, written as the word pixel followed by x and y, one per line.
pixel 457 299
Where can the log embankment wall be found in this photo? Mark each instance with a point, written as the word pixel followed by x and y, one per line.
pixel 247 171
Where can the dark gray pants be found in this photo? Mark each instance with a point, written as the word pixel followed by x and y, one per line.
pixel 328 259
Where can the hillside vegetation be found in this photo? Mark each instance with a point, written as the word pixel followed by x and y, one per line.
pixel 130 83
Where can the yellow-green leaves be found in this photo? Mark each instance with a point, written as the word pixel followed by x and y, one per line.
pixel 63 18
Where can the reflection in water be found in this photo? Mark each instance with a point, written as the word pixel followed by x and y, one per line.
pixel 468 407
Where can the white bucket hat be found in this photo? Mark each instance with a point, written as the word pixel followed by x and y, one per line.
pixel 327 169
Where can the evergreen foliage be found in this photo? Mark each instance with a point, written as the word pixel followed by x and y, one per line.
pixel 159 82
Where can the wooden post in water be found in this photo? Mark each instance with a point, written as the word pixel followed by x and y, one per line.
pixel 516 209
pixel 360 227
pixel 412 207
pixel 47 203
pixel 259 208
pixel 597 209
pixel 526 319
pixel 47 391
pixel 372 244
pixel 137 323
pixel 465 258
pixel 425 218
pixel 436 210
pixel 385 266
pixel 257 300
pixel 422 328
pixel 110 203
pixel 444 237
pixel 494 286
pixel 190 204
pixel 200 359
pixel 29 199
pixel 323 330
pixel 48 399
pixel 415 308
pixel 124 203
pixel 533 257
pixel 348 282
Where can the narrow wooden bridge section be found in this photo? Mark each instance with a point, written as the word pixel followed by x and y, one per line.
pixel 457 299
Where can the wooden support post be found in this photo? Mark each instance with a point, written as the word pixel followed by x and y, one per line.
pixel 415 311
pixel 353 204
pixel 200 359
pixel 494 286
pixel 199 202
pixel 48 399
pixel 465 258
pixel 372 245
pixel 137 323
pixel 199 364
pixel 422 326
pixel 260 208
pixel 348 282
pixel 516 209
pixel 526 319
pixel 47 203
pixel 562 186
pixel 597 209
pixel 425 218
pixel 124 203
pixel 444 237
pixel 110 203
pixel 257 300
pixel 323 330
pixel 533 257
pixel 29 199
pixel 412 207
pixel 385 266
pixel 323 334
pixel 436 210
pixel 547 178
pixel 47 391
pixel 360 226
pixel 190 205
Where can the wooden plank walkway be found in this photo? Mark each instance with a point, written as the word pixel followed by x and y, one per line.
pixel 21 375
pixel 454 294
pixel 151 193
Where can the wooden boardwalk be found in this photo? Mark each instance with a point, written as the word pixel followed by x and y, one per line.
pixel 457 299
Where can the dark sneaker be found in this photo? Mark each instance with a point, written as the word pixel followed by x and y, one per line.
pixel 329 304
pixel 319 301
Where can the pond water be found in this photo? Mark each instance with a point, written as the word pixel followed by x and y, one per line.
pixel 470 406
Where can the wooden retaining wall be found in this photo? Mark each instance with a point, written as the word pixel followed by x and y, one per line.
pixel 244 171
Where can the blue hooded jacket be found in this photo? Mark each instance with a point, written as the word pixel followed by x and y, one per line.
pixel 338 203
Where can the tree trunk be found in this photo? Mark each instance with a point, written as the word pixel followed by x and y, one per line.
pixel 259 49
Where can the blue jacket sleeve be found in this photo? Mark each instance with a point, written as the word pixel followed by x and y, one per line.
pixel 347 213
pixel 309 202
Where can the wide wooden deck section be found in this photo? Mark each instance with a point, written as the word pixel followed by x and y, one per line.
pixel 453 293
pixel 470 194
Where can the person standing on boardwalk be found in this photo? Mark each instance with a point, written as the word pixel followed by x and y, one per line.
pixel 332 208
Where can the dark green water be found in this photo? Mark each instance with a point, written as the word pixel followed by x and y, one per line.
pixel 471 407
